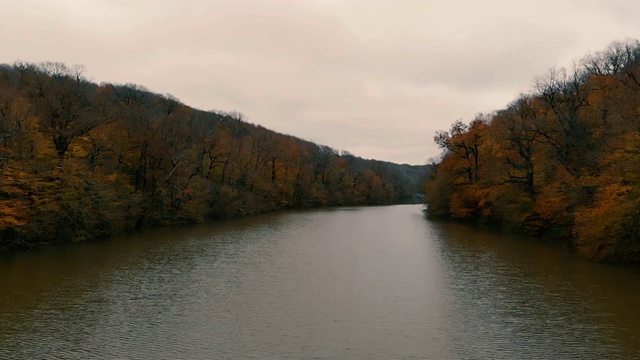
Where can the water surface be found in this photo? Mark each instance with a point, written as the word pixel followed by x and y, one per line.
pixel 357 283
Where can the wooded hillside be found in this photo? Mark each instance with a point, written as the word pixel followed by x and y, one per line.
pixel 80 161
pixel 562 161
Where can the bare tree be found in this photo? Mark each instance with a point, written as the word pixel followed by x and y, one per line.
pixel 521 131
pixel 564 94
pixel 66 100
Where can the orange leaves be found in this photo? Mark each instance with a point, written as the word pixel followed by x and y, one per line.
pixel 471 201
pixel 13 208
pixel 14 201
pixel 552 202
pixel 79 161
pixel 563 162
pixel 111 177
pixel 603 226
pixel 463 143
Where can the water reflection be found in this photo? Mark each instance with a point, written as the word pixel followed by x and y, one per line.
pixel 530 298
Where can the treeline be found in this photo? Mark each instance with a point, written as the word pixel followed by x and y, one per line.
pixel 80 161
pixel 561 162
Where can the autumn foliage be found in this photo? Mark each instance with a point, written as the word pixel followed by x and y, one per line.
pixel 561 162
pixel 80 161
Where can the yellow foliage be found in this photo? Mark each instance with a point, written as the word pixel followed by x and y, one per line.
pixel 471 201
pixel 12 213
pixel 606 223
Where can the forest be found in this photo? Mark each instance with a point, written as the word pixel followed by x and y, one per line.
pixel 82 161
pixel 561 162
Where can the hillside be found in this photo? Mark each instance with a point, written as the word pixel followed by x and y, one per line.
pixel 80 161
pixel 562 162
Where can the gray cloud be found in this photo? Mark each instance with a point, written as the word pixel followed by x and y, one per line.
pixel 375 77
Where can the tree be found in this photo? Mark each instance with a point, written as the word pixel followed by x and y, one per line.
pixel 519 126
pixel 65 101
pixel 464 141
pixel 564 94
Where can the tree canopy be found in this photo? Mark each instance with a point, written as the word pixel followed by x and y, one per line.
pixel 561 162
pixel 80 160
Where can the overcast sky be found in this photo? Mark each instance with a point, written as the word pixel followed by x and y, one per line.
pixel 374 77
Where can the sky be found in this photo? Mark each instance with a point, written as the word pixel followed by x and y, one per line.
pixel 374 77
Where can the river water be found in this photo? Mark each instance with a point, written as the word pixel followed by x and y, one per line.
pixel 350 283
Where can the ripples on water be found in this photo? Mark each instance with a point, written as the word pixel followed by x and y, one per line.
pixel 378 282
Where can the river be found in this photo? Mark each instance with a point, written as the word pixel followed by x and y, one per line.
pixel 346 283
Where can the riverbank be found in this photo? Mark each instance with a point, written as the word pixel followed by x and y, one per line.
pixel 615 253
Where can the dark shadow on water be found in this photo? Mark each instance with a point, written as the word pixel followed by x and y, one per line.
pixel 517 279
